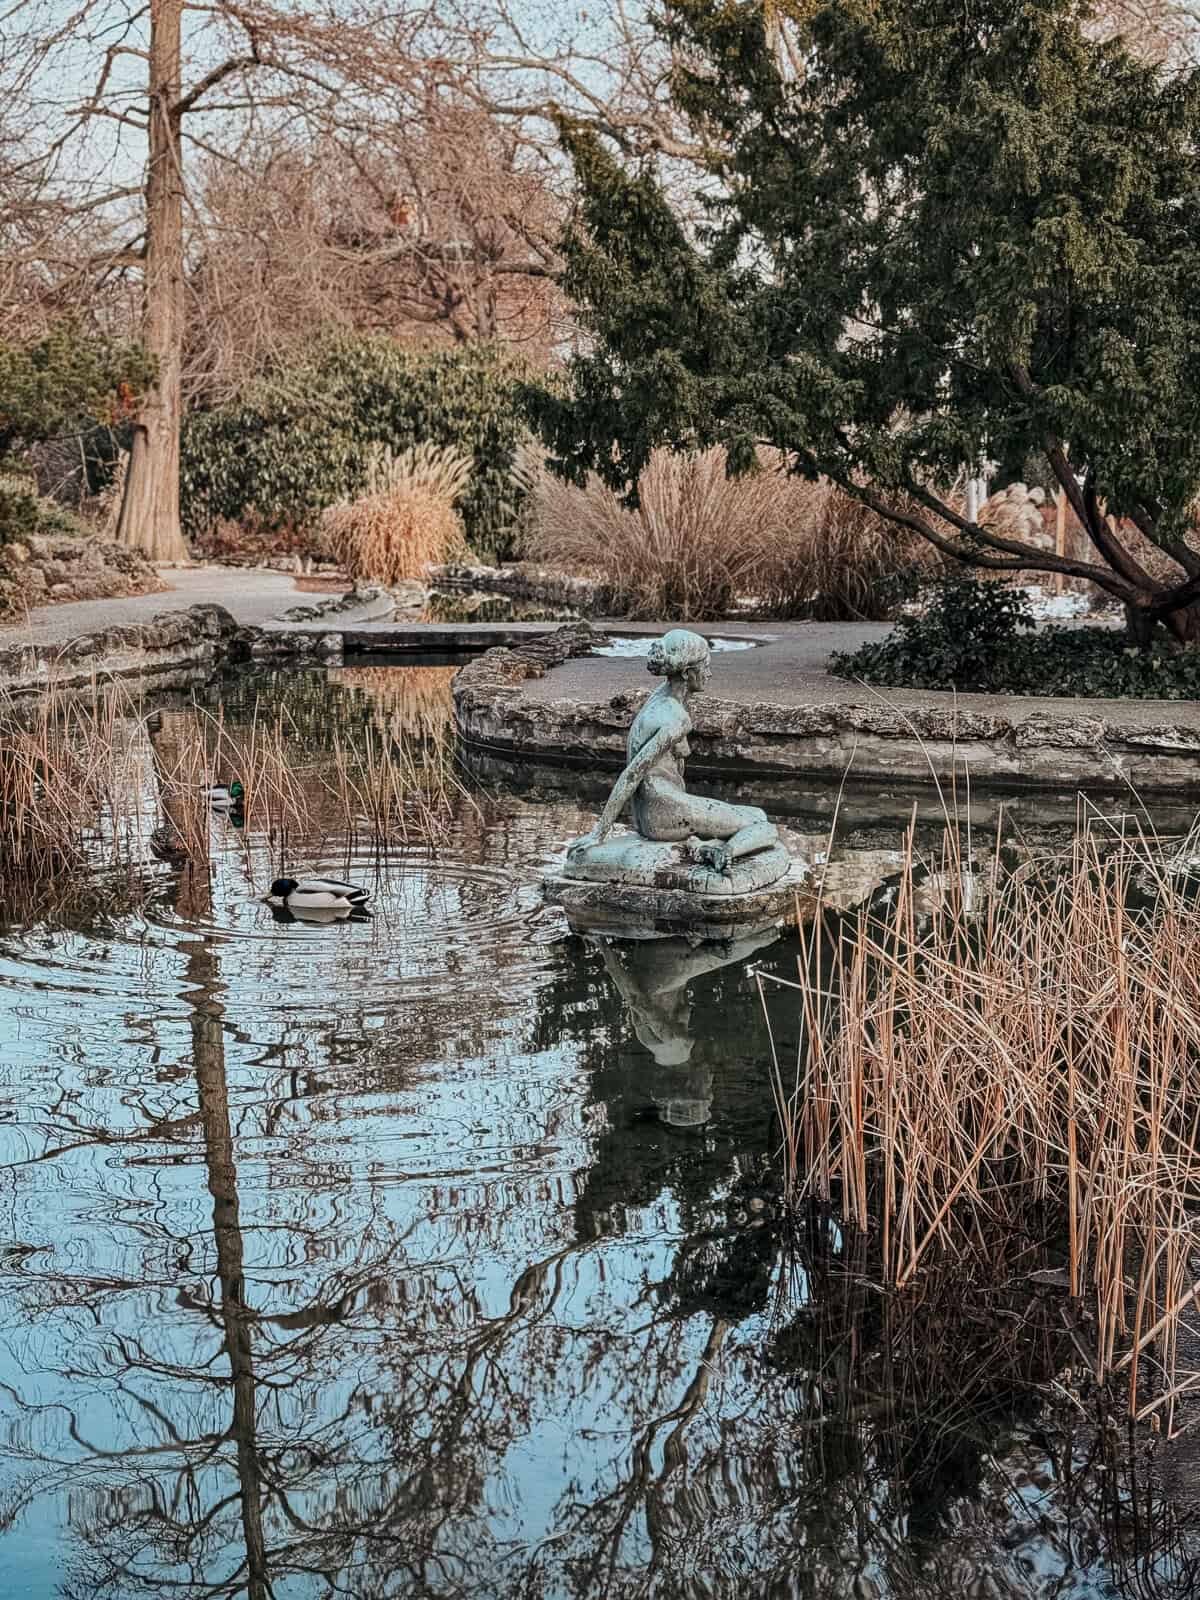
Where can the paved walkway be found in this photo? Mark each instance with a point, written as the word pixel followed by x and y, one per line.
pixel 790 670
pixel 252 594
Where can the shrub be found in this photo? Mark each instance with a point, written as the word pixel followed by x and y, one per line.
pixel 699 541
pixel 61 384
pixel 975 637
pixel 25 514
pixel 407 522
pixel 300 439
pixel 65 381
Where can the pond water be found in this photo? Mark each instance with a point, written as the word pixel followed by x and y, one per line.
pixel 436 1255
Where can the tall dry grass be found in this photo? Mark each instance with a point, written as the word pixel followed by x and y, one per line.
pixel 1017 1055
pixel 67 785
pixel 440 469
pixel 95 783
pixel 700 541
pixel 193 749
pixel 390 786
pixel 406 521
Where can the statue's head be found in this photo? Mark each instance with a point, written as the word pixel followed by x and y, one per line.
pixel 681 654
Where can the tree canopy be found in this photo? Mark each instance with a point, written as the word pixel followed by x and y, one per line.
pixel 929 234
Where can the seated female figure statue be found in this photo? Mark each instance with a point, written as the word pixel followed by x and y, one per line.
pixel 713 833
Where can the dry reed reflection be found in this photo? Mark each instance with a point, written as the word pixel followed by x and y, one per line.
pixel 106 781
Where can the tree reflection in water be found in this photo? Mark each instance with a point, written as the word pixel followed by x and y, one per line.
pixel 327 1275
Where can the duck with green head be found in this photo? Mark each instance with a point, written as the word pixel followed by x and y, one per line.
pixel 226 797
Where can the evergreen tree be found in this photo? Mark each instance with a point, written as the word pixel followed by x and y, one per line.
pixel 933 232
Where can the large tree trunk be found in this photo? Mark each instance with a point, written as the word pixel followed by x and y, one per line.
pixel 149 518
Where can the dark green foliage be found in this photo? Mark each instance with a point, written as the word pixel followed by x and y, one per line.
pixel 66 382
pixel 961 231
pixel 978 638
pixel 298 439
pixel 966 630
pixel 24 513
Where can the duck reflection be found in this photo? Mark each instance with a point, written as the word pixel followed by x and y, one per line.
pixel 652 978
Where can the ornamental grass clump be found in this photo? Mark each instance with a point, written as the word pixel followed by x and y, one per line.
pixel 1013 1053
pixel 701 544
pixel 852 565
pixel 406 521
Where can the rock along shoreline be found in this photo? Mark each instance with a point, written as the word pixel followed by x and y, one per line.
pixel 173 648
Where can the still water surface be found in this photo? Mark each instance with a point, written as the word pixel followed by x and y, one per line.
pixel 435 1255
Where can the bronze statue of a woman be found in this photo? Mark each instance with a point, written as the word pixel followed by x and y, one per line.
pixel 713 833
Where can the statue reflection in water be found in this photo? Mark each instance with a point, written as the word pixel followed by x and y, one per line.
pixel 652 977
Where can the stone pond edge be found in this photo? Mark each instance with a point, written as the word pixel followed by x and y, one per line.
pixel 884 740
pixel 172 648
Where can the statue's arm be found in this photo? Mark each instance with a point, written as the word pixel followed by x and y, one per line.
pixel 626 785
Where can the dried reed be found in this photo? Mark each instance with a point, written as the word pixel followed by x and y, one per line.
pixel 441 470
pixel 406 521
pixel 902 1405
pixel 1022 1060
pixel 89 784
pixel 67 785
pixel 195 749
pixel 380 789
pixel 699 541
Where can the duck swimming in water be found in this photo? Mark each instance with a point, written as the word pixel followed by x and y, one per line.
pixel 323 916
pixel 226 796
pixel 316 894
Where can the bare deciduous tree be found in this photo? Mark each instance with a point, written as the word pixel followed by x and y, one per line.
pixel 445 229
pixel 421 144
pixel 115 68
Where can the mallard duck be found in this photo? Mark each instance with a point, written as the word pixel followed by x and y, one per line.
pixel 315 894
pixel 167 844
pixel 321 915
pixel 226 796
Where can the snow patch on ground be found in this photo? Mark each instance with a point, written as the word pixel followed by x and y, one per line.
pixel 1050 607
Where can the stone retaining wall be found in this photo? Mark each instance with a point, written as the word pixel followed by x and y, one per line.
pixel 174 647
pixel 44 567
pixel 890 742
